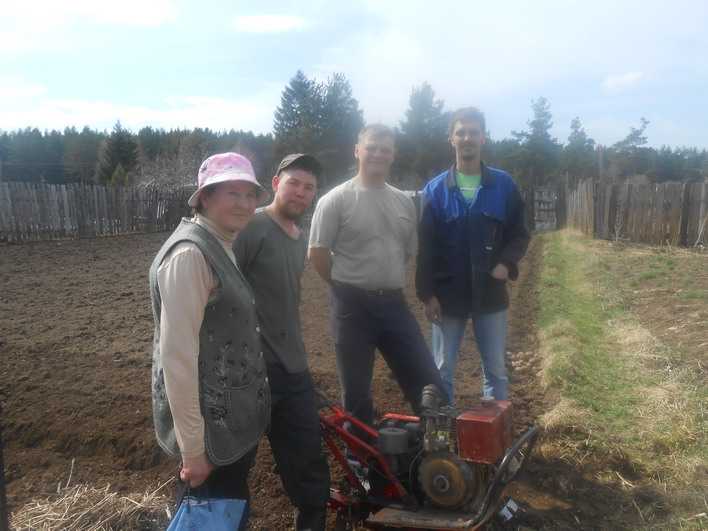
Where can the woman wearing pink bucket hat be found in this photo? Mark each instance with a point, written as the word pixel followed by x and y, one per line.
pixel 236 174
pixel 211 400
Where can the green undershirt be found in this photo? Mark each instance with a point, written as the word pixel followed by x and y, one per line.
pixel 469 185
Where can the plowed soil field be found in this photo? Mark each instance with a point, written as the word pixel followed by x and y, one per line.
pixel 75 340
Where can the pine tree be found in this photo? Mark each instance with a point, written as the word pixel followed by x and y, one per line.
pixel 119 177
pixel 578 157
pixel 423 140
pixel 118 148
pixel 539 150
pixel 320 119
pixel 629 156
pixel 81 153
pixel 149 143
pixel 341 122
pixel 298 119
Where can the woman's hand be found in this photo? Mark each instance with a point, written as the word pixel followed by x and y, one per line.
pixel 195 470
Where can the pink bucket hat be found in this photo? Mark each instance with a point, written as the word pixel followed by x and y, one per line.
pixel 224 167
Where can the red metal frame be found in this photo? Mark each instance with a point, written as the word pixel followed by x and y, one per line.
pixel 388 506
pixel 333 430
pixel 403 418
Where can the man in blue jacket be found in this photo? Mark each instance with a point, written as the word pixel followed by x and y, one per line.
pixel 472 236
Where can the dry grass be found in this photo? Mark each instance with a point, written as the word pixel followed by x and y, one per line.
pixel 564 415
pixel 567 427
pixel 627 362
pixel 85 508
pixel 668 414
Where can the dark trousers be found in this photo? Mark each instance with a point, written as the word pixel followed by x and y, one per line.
pixel 230 481
pixel 295 438
pixel 363 321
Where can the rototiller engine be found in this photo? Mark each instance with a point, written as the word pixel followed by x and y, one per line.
pixel 443 470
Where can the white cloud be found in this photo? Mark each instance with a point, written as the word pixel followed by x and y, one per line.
pixel 268 23
pixel 617 83
pixel 26 105
pixel 126 12
pixel 43 24
pixel 470 54
pixel 16 89
pixel 501 55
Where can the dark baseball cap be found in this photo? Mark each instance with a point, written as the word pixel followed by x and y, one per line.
pixel 303 160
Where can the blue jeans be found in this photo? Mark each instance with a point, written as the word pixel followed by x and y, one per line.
pixel 490 333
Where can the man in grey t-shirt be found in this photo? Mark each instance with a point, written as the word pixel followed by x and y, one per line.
pixel 363 233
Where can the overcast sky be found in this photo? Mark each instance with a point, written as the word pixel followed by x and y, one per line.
pixel 223 65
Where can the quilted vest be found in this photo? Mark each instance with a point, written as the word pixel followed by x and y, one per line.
pixel 234 396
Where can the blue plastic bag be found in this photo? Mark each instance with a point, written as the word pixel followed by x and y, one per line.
pixel 210 514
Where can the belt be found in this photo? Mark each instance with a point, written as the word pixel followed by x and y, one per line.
pixel 371 292
pixel 382 292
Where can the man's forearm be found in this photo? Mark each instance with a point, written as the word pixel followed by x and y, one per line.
pixel 321 259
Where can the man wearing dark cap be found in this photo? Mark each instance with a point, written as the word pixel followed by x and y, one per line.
pixel 271 253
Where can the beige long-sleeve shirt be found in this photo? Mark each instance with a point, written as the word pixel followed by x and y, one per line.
pixel 186 282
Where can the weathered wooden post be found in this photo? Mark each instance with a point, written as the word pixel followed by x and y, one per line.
pixel 4 510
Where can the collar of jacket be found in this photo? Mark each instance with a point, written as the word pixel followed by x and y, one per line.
pixel 487 176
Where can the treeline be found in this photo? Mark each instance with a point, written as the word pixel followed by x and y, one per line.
pixel 121 156
pixel 324 118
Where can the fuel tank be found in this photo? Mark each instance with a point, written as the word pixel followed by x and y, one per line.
pixel 484 431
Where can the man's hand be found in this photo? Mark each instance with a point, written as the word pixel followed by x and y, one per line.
pixel 433 311
pixel 195 470
pixel 500 272
pixel 321 259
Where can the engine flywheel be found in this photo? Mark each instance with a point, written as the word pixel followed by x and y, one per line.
pixel 447 480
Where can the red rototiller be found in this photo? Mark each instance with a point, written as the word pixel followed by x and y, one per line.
pixel 444 470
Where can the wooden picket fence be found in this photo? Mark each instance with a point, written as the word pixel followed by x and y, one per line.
pixel 668 213
pixel 673 213
pixel 30 212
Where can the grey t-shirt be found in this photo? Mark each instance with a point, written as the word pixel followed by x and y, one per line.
pixel 370 231
pixel 273 263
